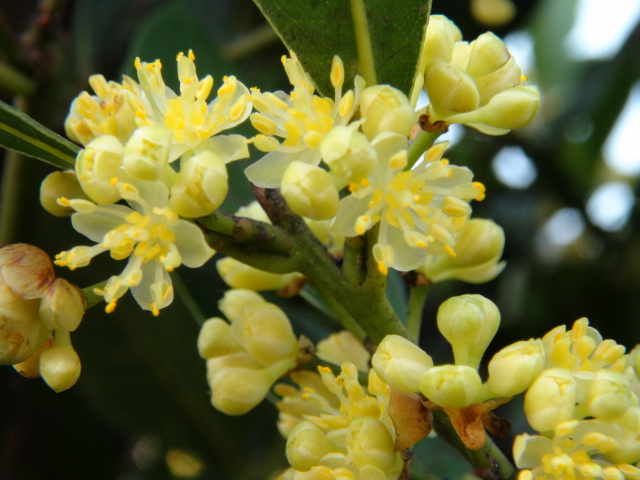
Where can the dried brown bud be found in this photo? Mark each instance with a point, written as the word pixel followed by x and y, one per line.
pixel 25 270
pixel 411 419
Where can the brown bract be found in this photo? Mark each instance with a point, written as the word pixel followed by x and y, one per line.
pixel 411 419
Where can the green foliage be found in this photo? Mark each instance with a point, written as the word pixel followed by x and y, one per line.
pixel 317 30
pixel 23 134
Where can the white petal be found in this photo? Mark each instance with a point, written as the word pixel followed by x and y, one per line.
pixel 267 172
pixel 97 224
pixel 191 244
pixel 349 210
pixel 405 257
pixel 227 147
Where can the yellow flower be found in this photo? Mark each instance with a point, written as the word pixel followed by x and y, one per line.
pixel 188 115
pixel 149 234
pixel 302 119
pixel 353 441
pixel 419 210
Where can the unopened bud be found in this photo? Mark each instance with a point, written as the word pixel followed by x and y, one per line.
pixel 146 154
pixel 400 363
pixel 609 395
pixel 96 167
pixel 60 365
pixel 469 323
pixel 215 339
pixel 487 54
pixel 62 306
pixel 385 109
pixel 233 303
pixel 237 390
pixel 25 270
pixel 493 13
pixel 201 185
pixel 451 91
pixel 439 39
pixel 551 399
pixel 239 275
pixel 479 246
pixel 21 331
pixel 512 108
pixel 30 368
pixel 370 443
pixel 451 385
pixel 266 333
pixel 513 369
pixel 310 191
pixel 306 445
pixel 60 184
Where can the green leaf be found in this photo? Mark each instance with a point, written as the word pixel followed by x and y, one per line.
pixel 23 134
pixel 396 37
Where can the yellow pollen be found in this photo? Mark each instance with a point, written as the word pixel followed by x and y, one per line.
pixel 136 63
pixel 450 251
pixel 523 78
pixel 179 56
pixel 110 307
pixel 382 268
pixel 365 182
pixel 321 368
pixel 482 189
pixel 305 396
pixel 353 187
pixel 113 181
pixel 154 310
pixel 192 57
pixel 64 202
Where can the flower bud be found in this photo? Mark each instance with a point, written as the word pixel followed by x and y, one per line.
pixel 21 331
pixel 370 443
pixel 237 390
pixel 239 275
pixel 30 368
pixel 512 108
pixel 25 270
pixel 201 185
pixel 479 246
pixel 60 365
pixel 469 323
pixel 60 184
pixel 487 54
pixel 306 445
pixel 491 84
pixel 348 154
pixel 265 332
pixel 439 39
pixel 451 385
pixel 451 91
pixel 343 347
pixel 385 109
pixel 62 306
pixel 233 303
pixel 609 395
pixel 400 363
pixel 146 154
pixel 215 340
pixel 513 369
pixel 309 191
pixel 493 13
pixel 551 399
pixel 97 165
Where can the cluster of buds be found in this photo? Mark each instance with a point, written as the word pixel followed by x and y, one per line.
pixel 585 405
pixel 476 83
pixel 37 312
pixel 469 323
pixel 351 438
pixel 248 354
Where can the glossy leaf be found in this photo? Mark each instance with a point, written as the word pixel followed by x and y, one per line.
pixel 318 30
pixel 21 133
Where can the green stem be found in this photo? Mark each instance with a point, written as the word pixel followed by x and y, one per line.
pixel 419 145
pixel 249 43
pixel 417 297
pixel 339 312
pixel 366 64
pixel 93 298
pixel 504 465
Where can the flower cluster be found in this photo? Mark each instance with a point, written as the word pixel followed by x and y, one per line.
pixel 585 405
pixel 132 133
pixel 246 355
pixel 37 312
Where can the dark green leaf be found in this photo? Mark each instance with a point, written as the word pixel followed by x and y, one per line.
pixel 21 133
pixel 317 30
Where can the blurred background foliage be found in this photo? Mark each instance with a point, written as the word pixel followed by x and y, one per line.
pixel 141 407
